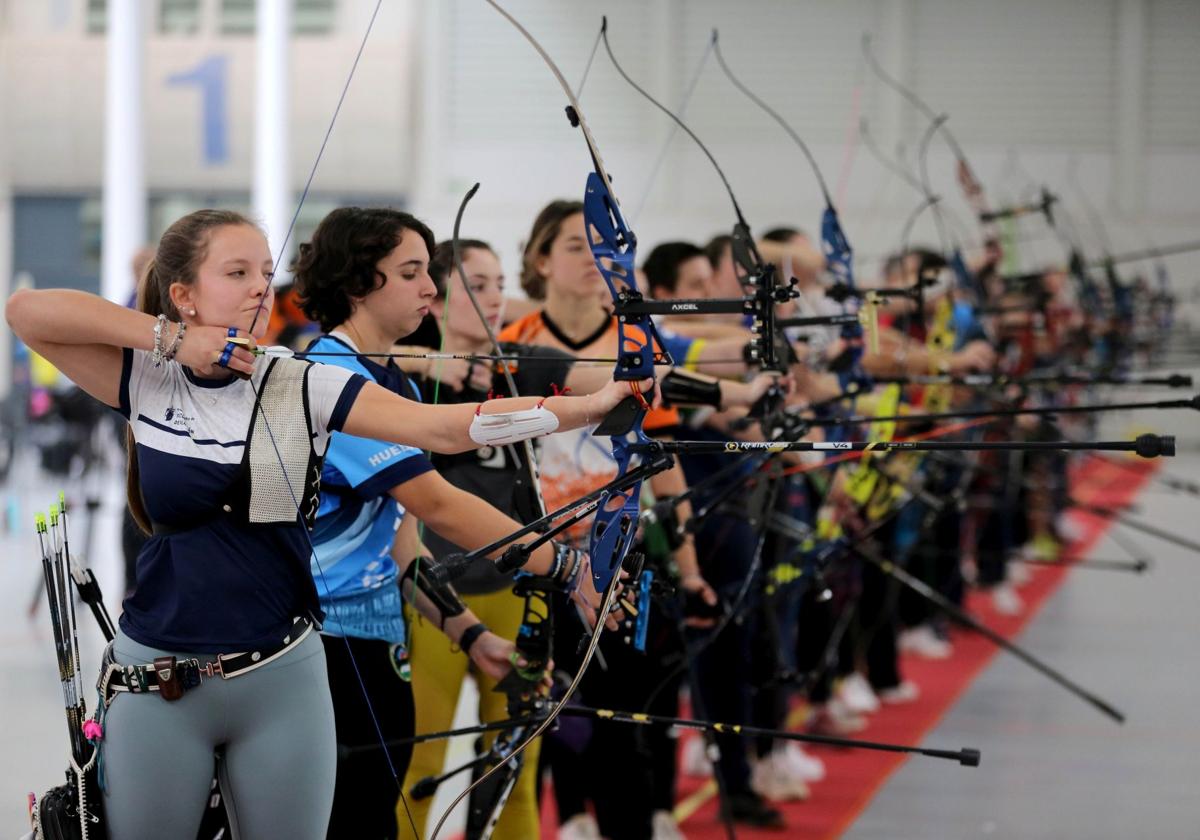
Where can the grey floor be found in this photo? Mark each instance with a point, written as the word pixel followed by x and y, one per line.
pixel 1053 766
pixel 33 729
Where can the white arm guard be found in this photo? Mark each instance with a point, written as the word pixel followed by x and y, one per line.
pixel 512 426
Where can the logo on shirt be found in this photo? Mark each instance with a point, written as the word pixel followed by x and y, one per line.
pixel 175 417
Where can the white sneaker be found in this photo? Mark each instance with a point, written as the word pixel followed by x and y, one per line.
pixel 923 642
pixel 1006 600
pixel 772 779
pixel 856 693
pixel 804 764
pixel 970 568
pixel 1068 528
pixel 1018 572
pixel 579 827
pixel 834 718
pixel 695 760
pixel 906 692
pixel 664 828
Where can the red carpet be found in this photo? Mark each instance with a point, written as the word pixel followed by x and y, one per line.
pixel 854 776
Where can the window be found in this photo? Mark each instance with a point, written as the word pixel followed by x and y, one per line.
pixel 237 17
pixel 179 17
pixel 313 17
pixel 96 17
pixel 309 17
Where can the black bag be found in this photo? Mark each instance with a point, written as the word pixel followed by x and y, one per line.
pixel 72 811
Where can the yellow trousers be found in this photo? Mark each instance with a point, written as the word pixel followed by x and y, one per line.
pixel 438 671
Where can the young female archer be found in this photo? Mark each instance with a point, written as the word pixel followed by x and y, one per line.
pixel 220 623
pixel 500 475
pixel 495 473
pixel 365 279
pixel 559 269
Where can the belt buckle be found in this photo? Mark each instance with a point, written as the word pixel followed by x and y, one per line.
pixel 215 667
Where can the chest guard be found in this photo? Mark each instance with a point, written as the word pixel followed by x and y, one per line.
pixel 281 469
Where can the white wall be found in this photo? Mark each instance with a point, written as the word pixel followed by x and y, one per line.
pixel 1030 86
pixel 448 93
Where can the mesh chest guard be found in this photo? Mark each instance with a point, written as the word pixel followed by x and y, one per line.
pixel 281 469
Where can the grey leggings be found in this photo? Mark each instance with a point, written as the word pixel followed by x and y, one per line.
pixel 275 725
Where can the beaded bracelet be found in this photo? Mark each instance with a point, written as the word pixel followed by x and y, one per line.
pixel 169 354
pixel 156 355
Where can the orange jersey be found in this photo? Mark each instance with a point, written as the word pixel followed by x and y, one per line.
pixel 532 329
pixel 575 463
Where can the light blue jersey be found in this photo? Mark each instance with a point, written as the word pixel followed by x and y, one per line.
pixel 357 519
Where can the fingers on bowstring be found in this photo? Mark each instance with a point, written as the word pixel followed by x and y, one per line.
pixel 237 355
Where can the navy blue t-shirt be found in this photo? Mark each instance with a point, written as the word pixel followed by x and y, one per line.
pixel 219 587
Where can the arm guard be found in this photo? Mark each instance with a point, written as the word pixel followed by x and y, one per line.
pixel 683 388
pixel 433 586
pixel 512 426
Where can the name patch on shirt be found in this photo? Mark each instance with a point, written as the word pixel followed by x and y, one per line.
pixel 386 455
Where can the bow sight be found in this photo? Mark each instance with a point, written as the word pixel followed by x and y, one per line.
pixel 765 292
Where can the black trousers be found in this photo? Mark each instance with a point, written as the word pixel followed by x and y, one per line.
pixel 364 799
pixel 725 548
pixel 877 627
pixel 626 771
pixel 936 559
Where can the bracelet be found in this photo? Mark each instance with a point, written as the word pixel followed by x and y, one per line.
pixel 156 355
pixel 562 552
pixel 470 635
pixel 570 581
pixel 169 355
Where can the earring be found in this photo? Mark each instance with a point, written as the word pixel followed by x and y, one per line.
pixel 192 312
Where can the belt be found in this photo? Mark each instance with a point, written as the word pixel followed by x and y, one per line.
pixel 171 676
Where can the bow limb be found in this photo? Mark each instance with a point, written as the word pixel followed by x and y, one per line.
pixel 527 700
pixel 531 630
pixel 609 599
pixel 456 249
pixel 969 184
pixel 839 256
pixel 613 241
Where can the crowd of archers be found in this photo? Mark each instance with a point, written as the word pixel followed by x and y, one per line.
pixel 828 469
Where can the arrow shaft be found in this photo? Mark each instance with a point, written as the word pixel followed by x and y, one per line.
pixel 1006 412
pixel 642 719
pixel 959 615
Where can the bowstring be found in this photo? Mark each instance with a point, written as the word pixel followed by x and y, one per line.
pixel 587 68
pixel 320 153
pixel 329 594
pixel 274 444
pixel 666 146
